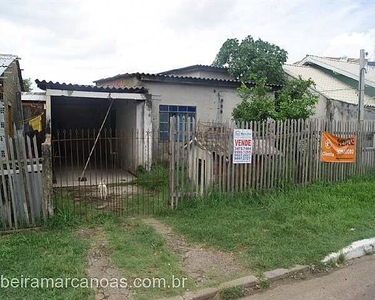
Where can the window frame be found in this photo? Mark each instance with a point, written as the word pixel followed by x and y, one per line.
pixel 168 111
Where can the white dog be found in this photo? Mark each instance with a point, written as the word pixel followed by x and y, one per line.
pixel 103 192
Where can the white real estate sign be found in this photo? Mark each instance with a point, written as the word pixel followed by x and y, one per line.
pixel 242 146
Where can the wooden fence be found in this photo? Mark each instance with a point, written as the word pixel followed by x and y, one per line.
pixel 21 192
pixel 284 153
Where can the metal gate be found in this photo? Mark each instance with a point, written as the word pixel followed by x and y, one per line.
pixel 127 172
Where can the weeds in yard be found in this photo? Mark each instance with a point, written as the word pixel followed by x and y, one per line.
pixel 341 258
pixel 67 215
pixel 155 180
pixel 231 293
pixel 264 284
pixel 332 263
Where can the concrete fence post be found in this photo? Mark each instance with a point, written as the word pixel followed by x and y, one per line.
pixel 47 184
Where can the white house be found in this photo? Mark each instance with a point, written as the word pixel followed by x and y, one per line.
pixel 202 92
pixel 336 83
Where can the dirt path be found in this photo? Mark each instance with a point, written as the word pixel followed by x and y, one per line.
pixel 200 263
pixel 100 267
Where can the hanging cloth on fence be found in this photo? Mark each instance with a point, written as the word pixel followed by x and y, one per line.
pixel 36 123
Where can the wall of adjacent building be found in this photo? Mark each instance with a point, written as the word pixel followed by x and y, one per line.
pixel 347 112
pixel 10 105
pixel 12 97
pixel 339 110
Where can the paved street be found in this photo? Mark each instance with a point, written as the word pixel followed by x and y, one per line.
pixel 355 282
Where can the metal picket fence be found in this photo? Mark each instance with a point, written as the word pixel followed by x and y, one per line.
pixel 118 178
pixel 141 173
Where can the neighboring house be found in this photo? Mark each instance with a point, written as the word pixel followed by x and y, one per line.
pixel 11 86
pixel 336 83
pixel 201 92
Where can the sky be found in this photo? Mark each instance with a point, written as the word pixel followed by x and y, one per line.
pixel 79 41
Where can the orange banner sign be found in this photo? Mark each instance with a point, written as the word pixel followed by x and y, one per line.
pixel 338 150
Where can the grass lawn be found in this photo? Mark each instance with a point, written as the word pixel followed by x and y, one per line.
pixel 140 252
pixel 266 230
pixel 45 254
pixel 281 228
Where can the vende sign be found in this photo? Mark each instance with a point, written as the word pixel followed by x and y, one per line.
pixel 242 146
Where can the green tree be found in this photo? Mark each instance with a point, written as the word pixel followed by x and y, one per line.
pixel 262 62
pixel 27 84
pixel 294 101
pixel 256 104
pixel 252 57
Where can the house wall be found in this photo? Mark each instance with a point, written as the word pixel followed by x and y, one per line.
pixel 340 111
pixel 321 107
pixel 216 75
pixel 347 112
pixel 204 97
pixel 207 100
pixel 120 82
pixel 126 122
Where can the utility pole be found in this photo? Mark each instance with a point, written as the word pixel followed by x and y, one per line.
pixel 361 99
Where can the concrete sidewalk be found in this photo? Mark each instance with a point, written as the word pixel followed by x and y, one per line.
pixel 354 282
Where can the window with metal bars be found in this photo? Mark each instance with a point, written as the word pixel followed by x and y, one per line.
pixel 166 112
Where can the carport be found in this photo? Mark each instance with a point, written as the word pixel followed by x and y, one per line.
pixel 106 128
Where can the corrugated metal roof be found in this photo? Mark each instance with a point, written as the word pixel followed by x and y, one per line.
pixel 5 61
pixel 88 88
pixel 196 67
pixel 178 78
pixel 329 86
pixel 347 68
pixel 153 75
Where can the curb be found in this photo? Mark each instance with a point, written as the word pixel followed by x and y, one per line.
pixel 354 250
pixel 278 274
pixel 244 282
